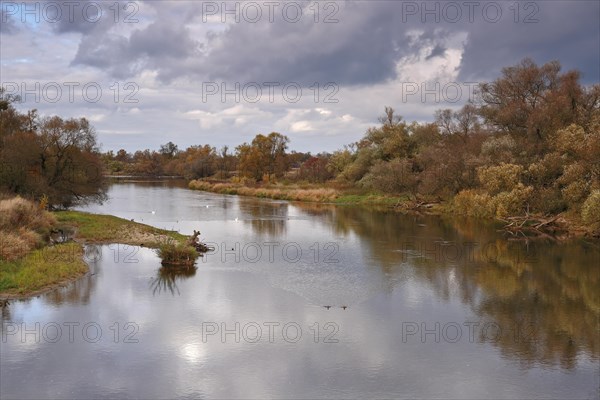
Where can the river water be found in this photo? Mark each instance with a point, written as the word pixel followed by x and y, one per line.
pixel 310 301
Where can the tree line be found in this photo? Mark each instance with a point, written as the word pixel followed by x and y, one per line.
pixel 528 142
pixel 264 159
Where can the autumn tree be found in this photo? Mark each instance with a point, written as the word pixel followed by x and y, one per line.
pixel 387 142
pixel 461 123
pixel 530 102
pixel 264 157
pixel 315 169
pixel 148 163
pixel 51 156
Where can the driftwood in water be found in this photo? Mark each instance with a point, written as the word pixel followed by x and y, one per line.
pixel 538 225
pixel 194 241
pixel 415 205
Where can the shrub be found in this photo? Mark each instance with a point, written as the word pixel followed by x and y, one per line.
pixel 199 185
pixel 23 226
pixel 482 205
pixel 590 212
pixel 575 192
pixel 548 200
pixel 499 178
pixel 474 204
pixel 499 148
pixel 395 176
pixel 174 253
pixel 570 140
pixel 12 246
pixel 513 202
pixel 20 213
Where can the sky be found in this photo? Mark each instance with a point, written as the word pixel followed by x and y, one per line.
pixel 321 72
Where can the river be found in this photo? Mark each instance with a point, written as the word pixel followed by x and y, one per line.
pixel 305 300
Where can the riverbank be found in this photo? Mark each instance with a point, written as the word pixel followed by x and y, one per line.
pixel 53 265
pixel 306 192
pixel 558 227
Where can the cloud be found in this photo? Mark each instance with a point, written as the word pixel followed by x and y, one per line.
pixel 564 31
pixel 361 48
pixel 372 50
pixel 7 23
pixel 438 51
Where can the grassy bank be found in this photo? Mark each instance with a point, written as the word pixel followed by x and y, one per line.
pixel 30 263
pixel 41 269
pixel 504 209
pixel 93 228
pixel 307 192
pixel 277 192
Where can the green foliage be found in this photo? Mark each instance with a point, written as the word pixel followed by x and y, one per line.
pixel 340 160
pixel 359 167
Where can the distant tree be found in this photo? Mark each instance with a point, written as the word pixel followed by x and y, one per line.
pixel 390 117
pixel 123 156
pixel 461 123
pixel 315 169
pixel 169 150
pixel 265 156
pixel 149 163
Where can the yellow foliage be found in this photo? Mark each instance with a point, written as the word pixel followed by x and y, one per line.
pixel 499 178
pixel 590 212
pixel 513 202
pixel 474 204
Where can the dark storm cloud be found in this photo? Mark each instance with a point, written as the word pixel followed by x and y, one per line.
pixel 437 51
pixel 565 31
pixel 362 48
pixel 159 45
pixel 160 40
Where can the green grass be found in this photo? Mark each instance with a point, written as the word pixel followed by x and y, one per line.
pixel 370 198
pixel 51 265
pixel 93 228
pixel 41 269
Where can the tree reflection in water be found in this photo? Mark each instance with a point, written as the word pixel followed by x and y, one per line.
pixel 542 294
pixel 167 277
pixel 268 218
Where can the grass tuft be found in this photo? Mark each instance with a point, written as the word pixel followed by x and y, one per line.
pixel 174 253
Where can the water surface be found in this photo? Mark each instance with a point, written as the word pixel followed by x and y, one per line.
pixel 311 301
